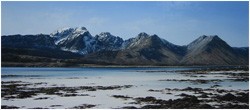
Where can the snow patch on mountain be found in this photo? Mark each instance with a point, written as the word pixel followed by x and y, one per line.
pixel 77 40
pixel 107 41
pixel 63 34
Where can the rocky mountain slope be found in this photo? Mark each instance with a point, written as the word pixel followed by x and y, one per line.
pixel 208 50
pixel 144 49
pixel 148 49
pixel 77 40
pixel 108 42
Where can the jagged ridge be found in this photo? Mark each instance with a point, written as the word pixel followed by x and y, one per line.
pixel 143 49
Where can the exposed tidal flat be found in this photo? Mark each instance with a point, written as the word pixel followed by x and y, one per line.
pixel 130 87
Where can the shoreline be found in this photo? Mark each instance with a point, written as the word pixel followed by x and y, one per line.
pixel 58 65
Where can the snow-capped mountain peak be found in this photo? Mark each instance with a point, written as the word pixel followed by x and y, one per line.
pixel 63 31
pixel 77 40
pixel 80 30
pixel 109 41
pixel 61 35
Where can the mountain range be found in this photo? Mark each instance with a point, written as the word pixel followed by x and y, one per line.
pixel 76 46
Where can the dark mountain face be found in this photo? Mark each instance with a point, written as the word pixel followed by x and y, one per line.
pixel 28 41
pixel 23 50
pixel 144 49
pixel 242 51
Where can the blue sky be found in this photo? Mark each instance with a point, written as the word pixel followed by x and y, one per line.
pixel 177 22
